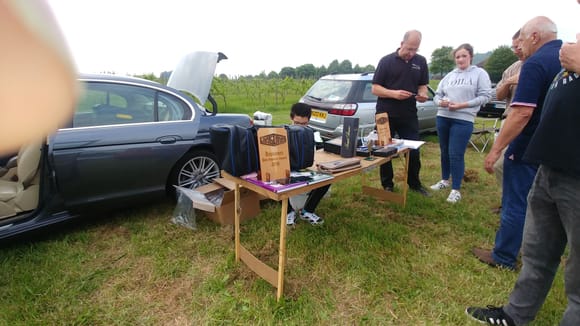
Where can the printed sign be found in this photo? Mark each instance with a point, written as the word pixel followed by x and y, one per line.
pixel 383 129
pixel 274 156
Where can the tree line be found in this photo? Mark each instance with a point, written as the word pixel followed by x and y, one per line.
pixel 502 57
pixel 441 63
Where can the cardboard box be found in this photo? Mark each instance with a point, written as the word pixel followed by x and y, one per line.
pixel 224 214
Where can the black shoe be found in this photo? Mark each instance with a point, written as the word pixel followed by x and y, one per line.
pixel 389 188
pixel 491 315
pixel 421 190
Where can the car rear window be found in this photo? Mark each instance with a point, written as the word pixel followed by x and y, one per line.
pixel 330 90
pixel 368 96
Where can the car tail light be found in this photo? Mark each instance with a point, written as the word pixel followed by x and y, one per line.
pixel 343 109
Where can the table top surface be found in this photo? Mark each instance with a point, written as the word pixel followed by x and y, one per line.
pixel 320 156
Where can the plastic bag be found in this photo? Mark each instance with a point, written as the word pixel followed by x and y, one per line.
pixel 184 213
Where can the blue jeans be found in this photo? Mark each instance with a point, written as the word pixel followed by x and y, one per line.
pixel 518 177
pixel 454 136
pixel 552 221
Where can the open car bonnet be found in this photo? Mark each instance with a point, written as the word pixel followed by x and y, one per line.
pixel 194 73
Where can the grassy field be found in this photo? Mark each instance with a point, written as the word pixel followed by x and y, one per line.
pixel 371 263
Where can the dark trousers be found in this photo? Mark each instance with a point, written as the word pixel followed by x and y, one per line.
pixel 406 128
pixel 314 197
pixel 551 223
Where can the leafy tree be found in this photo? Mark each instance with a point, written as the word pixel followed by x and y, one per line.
pixel 287 72
pixel 321 71
pixel 306 71
pixel 442 61
pixel 345 67
pixel 498 61
pixel 273 75
pixel 369 68
pixel 333 67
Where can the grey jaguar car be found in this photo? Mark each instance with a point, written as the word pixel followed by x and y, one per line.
pixel 129 141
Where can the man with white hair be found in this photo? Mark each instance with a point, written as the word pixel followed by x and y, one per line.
pixel 552 219
pixel 540 48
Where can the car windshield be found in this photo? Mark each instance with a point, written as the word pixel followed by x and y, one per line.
pixel 330 90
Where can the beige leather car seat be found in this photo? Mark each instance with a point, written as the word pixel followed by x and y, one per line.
pixel 22 194
pixel 8 172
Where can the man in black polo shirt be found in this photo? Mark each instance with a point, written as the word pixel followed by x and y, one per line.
pixel 399 81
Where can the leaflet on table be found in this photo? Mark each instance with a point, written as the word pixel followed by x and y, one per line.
pixel 310 176
pixel 412 144
pixel 396 144
pixel 406 143
pixel 297 179
pixel 273 186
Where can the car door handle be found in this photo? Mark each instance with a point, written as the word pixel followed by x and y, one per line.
pixel 167 140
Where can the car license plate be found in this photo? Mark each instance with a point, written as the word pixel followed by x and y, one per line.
pixel 500 105
pixel 319 116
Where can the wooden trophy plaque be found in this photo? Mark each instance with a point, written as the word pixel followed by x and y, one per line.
pixel 383 129
pixel 274 154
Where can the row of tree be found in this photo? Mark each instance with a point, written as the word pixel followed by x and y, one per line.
pixel 441 63
pixel 309 71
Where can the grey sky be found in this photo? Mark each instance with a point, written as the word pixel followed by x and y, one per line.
pixel 135 36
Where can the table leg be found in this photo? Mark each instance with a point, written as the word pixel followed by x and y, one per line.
pixel 406 174
pixel 282 253
pixel 237 211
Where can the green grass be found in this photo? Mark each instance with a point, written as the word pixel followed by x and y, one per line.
pixel 371 263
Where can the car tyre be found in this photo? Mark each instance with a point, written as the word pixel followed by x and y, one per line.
pixel 194 169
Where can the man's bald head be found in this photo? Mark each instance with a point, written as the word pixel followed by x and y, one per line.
pixel 414 35
pixel 410 45
pixel 535 33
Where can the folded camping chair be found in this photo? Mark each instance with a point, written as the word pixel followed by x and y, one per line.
pixel 483 132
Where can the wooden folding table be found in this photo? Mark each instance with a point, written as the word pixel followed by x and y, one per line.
pixel 276 277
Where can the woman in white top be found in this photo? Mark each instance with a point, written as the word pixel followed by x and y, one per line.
pixel 459 96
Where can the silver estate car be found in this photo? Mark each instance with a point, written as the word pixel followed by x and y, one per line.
pixel 334 97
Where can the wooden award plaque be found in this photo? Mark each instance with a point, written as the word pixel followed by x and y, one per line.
pixel 383 129
pixel 274 154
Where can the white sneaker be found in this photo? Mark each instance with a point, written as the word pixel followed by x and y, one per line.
pixel 440 185
pixel 454 196
pixel 291 218
pixel 311 218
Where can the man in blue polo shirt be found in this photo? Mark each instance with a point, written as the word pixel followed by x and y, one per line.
pixel 540 49
pixel 554 202
pixel 399 81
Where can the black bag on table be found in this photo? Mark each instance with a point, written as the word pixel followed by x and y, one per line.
pixel 301 146
pixel 235 148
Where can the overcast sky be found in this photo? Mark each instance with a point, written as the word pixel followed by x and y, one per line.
pixel 136 36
